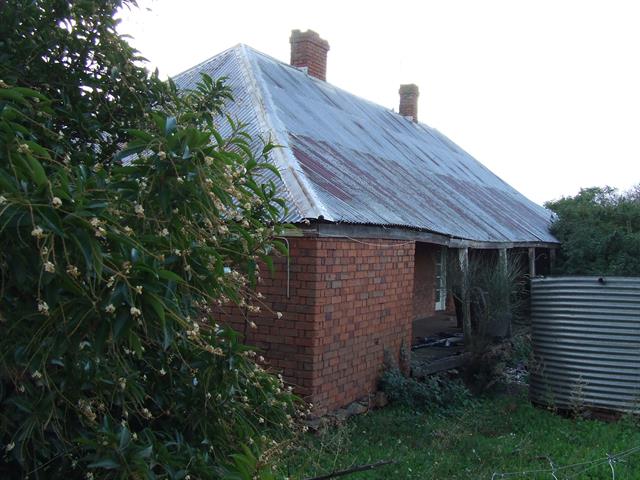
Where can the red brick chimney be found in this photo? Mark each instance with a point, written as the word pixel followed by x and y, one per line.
pixel 309 50
pixel 409 101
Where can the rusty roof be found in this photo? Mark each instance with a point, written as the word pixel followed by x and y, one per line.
pixel 347 160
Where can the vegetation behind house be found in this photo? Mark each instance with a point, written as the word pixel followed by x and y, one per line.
pixel 600 232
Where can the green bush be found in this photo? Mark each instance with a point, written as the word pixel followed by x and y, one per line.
pixel 432 392
pixel 600 232
pixel 112 361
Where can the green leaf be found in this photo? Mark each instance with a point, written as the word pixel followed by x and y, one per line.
pixel 145 452
pixel 170 125
pixel 106 463
pixel 140 134
pixel 12 94
pixel 169 275
pixel 125 437
pixel 157 305
pixel 122 324
pixel 101 336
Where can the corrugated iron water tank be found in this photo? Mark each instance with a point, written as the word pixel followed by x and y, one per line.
pixel 586 343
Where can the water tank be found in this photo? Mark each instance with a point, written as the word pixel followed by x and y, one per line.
pixel 586 343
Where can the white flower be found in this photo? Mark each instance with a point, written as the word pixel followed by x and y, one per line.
pixel 215 351
pixel 138 289
pixel 73 271
pixel 162 155
pixel 122 382
pixel 3 84
pixel 49 267
pixel 177 252
pixel 260 420
pixel 279 314
pixel 139 209
pixel 3 199
pixel 110 308
pixel 43 308
pixel 10 447
pixel 24 148
pixel 164 232
pixel 56 202
pixel 162 372
pixel 253 324
pixel 146 413
pixel 37 232
pixel 135 312
pixel 208 160
pixel 36 375
pixel 128 231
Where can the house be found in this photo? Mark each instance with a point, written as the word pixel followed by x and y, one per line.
pixel 380 201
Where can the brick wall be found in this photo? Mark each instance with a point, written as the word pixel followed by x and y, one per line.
pixel 288 343
pixel 348 302
pixel 366 308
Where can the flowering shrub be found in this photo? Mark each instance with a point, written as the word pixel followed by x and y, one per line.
pixel 112 364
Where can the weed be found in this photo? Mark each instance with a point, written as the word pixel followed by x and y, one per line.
pixel 432 392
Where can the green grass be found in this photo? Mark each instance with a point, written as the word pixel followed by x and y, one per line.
pixel 498 434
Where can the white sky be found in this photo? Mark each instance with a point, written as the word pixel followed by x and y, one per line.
pixel 544 93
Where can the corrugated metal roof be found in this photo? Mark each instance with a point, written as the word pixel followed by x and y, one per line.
pixel 349 160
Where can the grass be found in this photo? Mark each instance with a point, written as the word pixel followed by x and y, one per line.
pixel 491 435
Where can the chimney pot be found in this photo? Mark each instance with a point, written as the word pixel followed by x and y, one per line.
pixel 409 101
pixel 310 51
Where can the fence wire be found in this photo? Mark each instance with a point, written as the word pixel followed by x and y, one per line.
pixel 569 472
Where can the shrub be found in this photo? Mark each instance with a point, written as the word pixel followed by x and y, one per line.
pixel 495 292
pixel 600 232
pixel 432 392
pixel 112 364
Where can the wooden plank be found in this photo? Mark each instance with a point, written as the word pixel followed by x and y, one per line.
pixel 463 258
pixel 397 233
pixel 444 364
pixel 532 262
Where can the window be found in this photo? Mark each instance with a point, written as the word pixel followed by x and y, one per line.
pixel 441 279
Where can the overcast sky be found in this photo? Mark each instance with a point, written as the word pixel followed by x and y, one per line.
pixel 544 93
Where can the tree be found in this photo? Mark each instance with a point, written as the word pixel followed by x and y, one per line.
pixel 124 218
pixel 600 232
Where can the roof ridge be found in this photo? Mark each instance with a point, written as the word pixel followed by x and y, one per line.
pixel 324 82
pixel 203 62
pixel 294 179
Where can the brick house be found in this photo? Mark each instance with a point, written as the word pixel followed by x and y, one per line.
pixel 379 199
